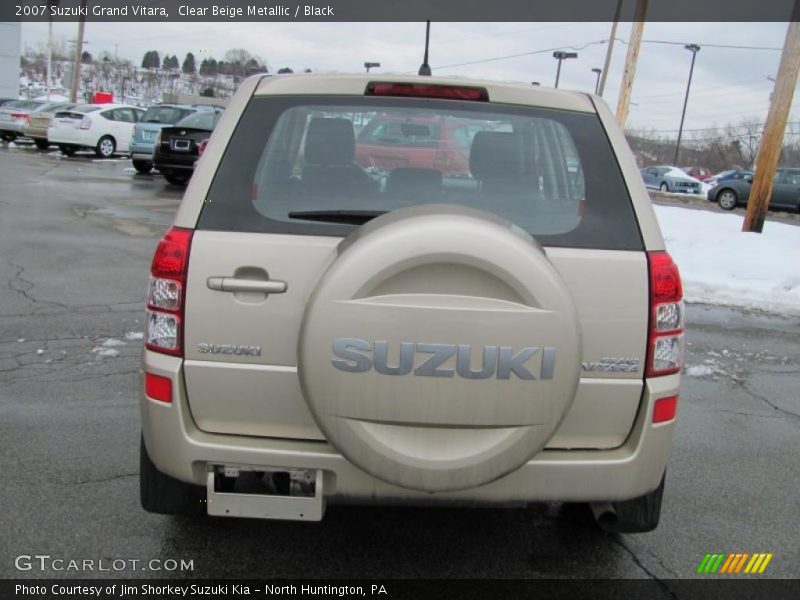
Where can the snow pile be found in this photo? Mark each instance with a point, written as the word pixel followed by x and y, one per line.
pixel 720 264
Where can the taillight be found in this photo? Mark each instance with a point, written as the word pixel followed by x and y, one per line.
pixel 665 339
pixel 158 387
pixel 23 116
pixel 201 147
pixel 86 123
pixel 665 409
pixel 166 294
pixel 427 90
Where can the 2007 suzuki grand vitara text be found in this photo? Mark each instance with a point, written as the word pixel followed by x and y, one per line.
pixel 319 332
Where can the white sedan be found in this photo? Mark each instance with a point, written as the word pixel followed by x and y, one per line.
pixel 104 128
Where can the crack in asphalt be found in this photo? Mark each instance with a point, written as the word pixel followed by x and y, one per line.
pixel 792 415
pixel 747 414
pixel 25 286
pixel 101 480
pixel 637 561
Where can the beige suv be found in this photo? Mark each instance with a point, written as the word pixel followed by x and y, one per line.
pixel 323 330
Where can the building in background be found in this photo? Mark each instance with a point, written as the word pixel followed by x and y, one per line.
pixel 10 39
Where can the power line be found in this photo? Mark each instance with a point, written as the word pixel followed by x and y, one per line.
pixel 704 45
pixel 712 128
pixel 532 52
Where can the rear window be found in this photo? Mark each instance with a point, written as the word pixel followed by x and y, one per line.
pixel 200 120
pixel 291 159
pixel 167 115
pixel 78 111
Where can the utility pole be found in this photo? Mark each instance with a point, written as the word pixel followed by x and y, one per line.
pixel 623 103
pixel 49 49
pixel 76 64
pixel 694 49
pixel 610 49
pixel 769 151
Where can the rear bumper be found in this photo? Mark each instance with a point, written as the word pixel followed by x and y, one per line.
pixel 142 150
pixel 178 448
pixel 171 162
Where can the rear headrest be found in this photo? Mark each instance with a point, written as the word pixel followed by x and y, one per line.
pixel 496 155
pixel 330 142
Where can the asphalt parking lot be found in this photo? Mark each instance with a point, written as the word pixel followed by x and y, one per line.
pixel 76 239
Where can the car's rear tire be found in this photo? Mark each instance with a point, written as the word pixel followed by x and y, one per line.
pixel 42 144
pixel 106 146
pixel 8 138
pixel 638 515
pixel 143 166
pixel 664 187
pixel 727 199
pixel 164 495
pixel 176 178
pixel 67 150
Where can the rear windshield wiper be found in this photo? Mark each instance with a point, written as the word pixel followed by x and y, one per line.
pixel 353 217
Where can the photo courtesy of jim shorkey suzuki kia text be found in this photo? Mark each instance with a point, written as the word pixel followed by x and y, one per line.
pixel 192 590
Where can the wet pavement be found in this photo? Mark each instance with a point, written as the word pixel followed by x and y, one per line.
pixel 76 239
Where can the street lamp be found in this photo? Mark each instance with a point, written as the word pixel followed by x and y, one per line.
pixel 597 83
pixel 371 65
pixel 694 49
pixel 560 55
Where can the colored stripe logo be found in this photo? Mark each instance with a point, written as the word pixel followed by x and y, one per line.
pixel 734 563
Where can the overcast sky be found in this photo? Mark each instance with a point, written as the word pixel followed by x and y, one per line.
pixel 728 83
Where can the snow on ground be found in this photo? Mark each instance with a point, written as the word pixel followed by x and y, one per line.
pixel 720 264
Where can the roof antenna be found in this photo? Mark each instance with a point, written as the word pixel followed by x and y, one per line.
pixel 425 68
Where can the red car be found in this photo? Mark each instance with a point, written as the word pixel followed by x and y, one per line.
pixel 438 143
pixel 700 173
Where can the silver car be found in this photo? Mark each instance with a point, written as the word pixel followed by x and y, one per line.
pixel 317 332
pixel 14 116
pixel 670 179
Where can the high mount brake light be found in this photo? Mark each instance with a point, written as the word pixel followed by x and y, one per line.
pixel 665 335
pixel 166 294
pixel 427 90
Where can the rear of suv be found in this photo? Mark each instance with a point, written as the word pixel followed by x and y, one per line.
pixel 320 332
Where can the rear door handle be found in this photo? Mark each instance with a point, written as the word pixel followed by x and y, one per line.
pixel 233 284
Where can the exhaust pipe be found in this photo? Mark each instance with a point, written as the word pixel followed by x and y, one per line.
pixel 605 514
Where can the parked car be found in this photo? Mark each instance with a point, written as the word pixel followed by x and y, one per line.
pixel 699 173
pixel 104 128
pixel 39 121
pixel 145 131
pixel 14 116
pixel 313 337
pixel 731 193
pixel 730 174
pixel 177 148
pixel 415 142
pixel 670 179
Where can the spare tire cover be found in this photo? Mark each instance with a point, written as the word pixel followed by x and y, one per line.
pixel 441 349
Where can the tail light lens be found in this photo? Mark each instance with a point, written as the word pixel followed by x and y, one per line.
pixel 158 387
pixel 665 409
pixel 201 147
pixel 665 340
pixel 166 293
pixel 86 123
pixel 23 116
pixel 425 90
